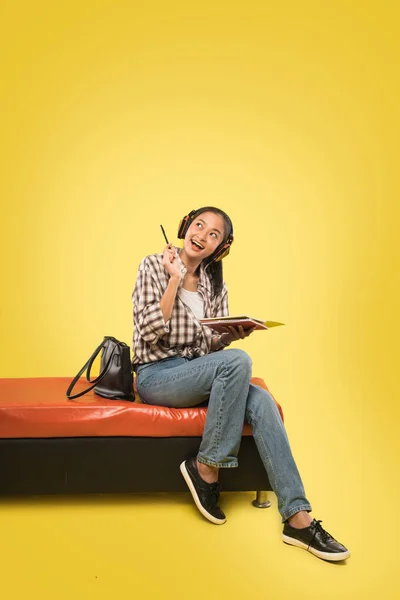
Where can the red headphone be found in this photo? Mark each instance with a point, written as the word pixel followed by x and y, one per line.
pixel 222 250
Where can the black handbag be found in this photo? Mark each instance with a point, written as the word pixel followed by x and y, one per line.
pixel 115 379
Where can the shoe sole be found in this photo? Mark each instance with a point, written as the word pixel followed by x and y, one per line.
pixel 195 497
pixel 332 556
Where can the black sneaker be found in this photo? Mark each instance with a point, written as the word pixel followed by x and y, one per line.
pixel 316 540
pixel 204 494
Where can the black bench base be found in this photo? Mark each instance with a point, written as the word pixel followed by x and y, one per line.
pixel 114 465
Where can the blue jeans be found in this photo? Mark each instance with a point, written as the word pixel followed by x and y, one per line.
pixel 222 379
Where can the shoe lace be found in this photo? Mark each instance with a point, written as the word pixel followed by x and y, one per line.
pixel 318 528
pixel 214 490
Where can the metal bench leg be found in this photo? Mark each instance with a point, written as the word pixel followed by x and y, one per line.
pixel 261 500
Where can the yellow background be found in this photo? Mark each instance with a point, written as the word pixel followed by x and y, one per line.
pixel 118 116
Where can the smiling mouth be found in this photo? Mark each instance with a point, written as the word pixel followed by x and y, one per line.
pixel 196 245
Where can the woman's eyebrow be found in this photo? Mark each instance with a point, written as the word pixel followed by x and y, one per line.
pixel 214 229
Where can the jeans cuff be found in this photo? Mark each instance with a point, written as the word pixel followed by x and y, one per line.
pixel 295 510
pixel 211 463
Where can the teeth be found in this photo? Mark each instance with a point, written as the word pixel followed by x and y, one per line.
pixel 198 245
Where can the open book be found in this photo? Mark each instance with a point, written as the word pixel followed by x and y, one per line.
pixel 219 323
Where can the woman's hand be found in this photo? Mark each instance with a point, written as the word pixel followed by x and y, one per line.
pixel 232 334
pixel 171 262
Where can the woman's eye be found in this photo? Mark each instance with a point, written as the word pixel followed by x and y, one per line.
pixel 214 234
pixel 199 225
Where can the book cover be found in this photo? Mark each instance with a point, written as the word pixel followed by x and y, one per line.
pixel 219 323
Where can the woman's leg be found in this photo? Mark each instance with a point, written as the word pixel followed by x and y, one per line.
pixel 273 446
pixel 222 378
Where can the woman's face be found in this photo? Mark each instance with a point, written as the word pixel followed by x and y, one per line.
pixel 204 235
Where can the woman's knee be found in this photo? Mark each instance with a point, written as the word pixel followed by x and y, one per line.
pixel 260 402
pixel 238 359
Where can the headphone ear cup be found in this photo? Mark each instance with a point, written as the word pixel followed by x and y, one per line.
pixel 181 228
pixel 185 223
pixel 222 253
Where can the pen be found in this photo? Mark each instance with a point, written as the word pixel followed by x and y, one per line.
pixel 164 234
pixel 166 239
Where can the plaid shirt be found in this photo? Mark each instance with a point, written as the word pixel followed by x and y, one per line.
pixel 182 334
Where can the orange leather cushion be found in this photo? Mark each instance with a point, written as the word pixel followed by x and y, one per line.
pixel 38 408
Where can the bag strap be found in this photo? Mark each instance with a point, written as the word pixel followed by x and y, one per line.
pixel 98 378
pixel 93 357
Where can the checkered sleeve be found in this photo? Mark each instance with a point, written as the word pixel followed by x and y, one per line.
pixel 147 313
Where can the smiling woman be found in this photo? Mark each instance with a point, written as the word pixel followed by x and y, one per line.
pixel 179 363
pixel 208 232
pixel 203 237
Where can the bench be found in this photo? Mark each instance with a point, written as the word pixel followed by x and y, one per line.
pixel 52 445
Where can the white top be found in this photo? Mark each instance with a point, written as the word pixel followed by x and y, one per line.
pixel 194 301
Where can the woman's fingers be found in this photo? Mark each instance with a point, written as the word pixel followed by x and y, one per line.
pixel 237 333
pixel 234 333
pixel 242 332
pixel 249 331
pixel 228 331
pixel 170 261
pixel 169 253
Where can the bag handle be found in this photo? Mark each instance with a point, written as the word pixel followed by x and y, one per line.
pixel 98 378
pixel 94 355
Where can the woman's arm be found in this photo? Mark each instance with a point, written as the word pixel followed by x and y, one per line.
pixel 152 308
pixel 173 266
pixel 148 318
pixel 168 298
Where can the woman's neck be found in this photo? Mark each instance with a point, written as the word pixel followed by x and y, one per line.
pixel 191 264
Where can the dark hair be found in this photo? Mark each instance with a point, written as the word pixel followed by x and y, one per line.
pixel 214 269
